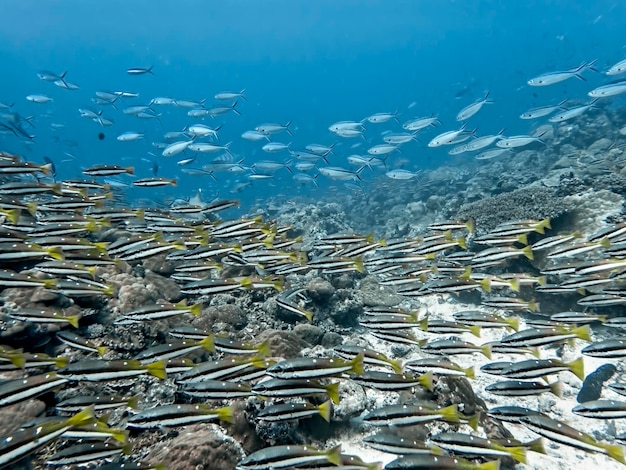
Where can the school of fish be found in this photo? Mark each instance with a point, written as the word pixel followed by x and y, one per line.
pixel 69 236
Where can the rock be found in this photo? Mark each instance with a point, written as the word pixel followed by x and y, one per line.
pixel 600 145
pixel 198 447
pixel 373 294
pixel 331 339
pixel 593 383
pixel 352 401
pixel 13 416
pixel 310 333
pixel 320 290
pixel 226 317
pixel 163 287
pixel 285 344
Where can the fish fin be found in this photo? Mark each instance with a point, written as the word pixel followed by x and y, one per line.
pixel 55 253
pixel 557 388
pixel 469 372
pixel 195 310
pixel 263 349
pixel 357 364
pixel 334 455
pixel 225 414
pixel 528 252
pixel 582 332
pixel 615 452
pixel 133 402
pixel 475 330
pixel 578 368
pixel 492 465
pixel 61 361
pixel 73 320
pixel 396 365
pixel 426 381
pixel 157 369
pixel 486 350
pixel 101 350
pixel 50 283
pixel 518 453
pixel 473 421
pixel 208 344
pixel 450 413
pixel 83 417
pixel 537 446
pixel 514 284
pixel 325 410
pixel 332 390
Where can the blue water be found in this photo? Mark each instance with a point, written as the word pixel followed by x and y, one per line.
pixel 312 63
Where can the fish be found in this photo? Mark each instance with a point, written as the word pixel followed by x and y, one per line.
pixel 617 69
pixel 108 170
pixel 601 409
pixel 95 370
pixel 542 111
pixel 41 99
pixel 294 411
pixel 289 456
pixel 520 388
pixel 86 452
pixel 140 70
pixel 435 461
pixel 562 433
pixel 409 415
pixel 162 416
pixel 176 148
pixel 518 141
pixel 22 443
pixel 459 443
pixel 315 367
pixel 418 124
pixel 19 390
pixel 231 95
pixel 573 113
pixel 605 91
pixel 551 78
pixel 473 108
pixel 273 128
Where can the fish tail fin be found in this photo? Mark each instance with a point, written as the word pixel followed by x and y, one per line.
pixel 157 369
pixel 469 372
pixel 55 253
pixel 120 436
pixel 528 252
pixel 263 349
pixel 578 368
pixel 518 453
pixel 83 417
pixel 485 284
pixel 208 344
pixel 225 414
pixel 450 413
pixel 101 350
pixel 426 381
pixel 513 323
pixel 557 388
pixel 473 421
pixel 582 332
pixel 492 465
pixel 73 320
pixel 615 452
pixel 133 402
pixel 396 365
pixel 475 330
pixel 514 284
pixel 325 410
pixel 334 455
pixel 357 364
pixel 195 310
pixel 486 350
pixel 332 390
pixel 537 446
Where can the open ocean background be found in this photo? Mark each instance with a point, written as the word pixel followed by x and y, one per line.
pixel 312 63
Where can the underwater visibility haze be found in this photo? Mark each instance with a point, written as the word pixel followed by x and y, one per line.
pixel 325 234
